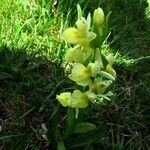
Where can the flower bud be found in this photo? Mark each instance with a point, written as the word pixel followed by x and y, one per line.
pixel 98 17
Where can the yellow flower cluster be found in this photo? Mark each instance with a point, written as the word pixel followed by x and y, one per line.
pixel 88 69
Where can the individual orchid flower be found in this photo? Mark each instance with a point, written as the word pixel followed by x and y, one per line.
pixel 102 86
pixel 75 54
pixel 79 99
pixel 99 27
pixel 80 74
pixel 75 100
pixel 79 54
pixel 80 35
pixel 99 85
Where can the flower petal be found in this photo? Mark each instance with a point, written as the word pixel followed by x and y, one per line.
pixel 79 99
pixel 92 96
pixel 71 35
pixel 82 27
pixel 64 98
pixel 91 36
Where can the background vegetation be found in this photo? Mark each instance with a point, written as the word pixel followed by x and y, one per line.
pixel 31 75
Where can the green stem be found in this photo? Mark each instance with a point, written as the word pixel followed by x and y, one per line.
pixel 70 123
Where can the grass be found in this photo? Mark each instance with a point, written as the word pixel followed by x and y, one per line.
pixel 31 74
pixel 30 26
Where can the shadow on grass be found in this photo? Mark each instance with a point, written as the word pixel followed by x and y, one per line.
pixel 28 87
pixel 130 27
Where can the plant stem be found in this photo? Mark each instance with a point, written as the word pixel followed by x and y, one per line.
pixel 70 123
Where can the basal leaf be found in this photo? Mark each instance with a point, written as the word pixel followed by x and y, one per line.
pixel 84 127
pixel 88 137
pixel 61 146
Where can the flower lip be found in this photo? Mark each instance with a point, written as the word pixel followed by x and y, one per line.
pixel 80 74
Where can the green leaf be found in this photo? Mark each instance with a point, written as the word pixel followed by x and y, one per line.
pixel 89 21
pixel 10 136
pixel 61 146
pixel 107 21
pixel 98 57
pixel 88 137
pixel 79 12
pixel 84 127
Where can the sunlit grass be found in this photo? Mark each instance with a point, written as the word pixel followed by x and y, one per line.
pixel 29 24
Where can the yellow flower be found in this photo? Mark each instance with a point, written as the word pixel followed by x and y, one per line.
pixel 75 100
pixel 92 96
pixel 88 54
pixel 79 99
pixel 64 98
pixel 99 16
pixel 79 35
pixel 80 74
pixel 79 54
pixel 94 68
pixel 74 54
pixel 100 85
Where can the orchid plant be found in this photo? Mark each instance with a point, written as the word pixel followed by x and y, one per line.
pixel 91 70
